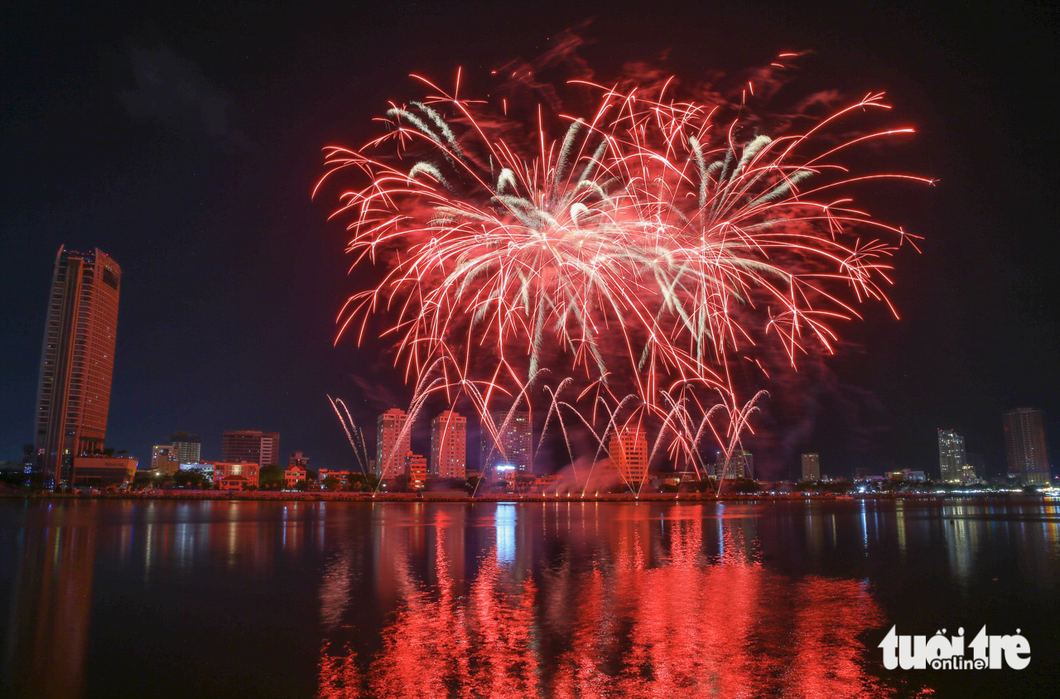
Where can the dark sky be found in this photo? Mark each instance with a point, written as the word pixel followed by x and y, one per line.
pixel 184 143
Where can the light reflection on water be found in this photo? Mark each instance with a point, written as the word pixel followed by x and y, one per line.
pixel 557 599
pixel 623 627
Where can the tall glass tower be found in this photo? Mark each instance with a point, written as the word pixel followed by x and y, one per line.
pixel 952 457
pixel 514 444
pixel 77 361
pixel 1028 457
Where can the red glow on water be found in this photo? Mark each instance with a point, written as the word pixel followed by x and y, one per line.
pixel 683 626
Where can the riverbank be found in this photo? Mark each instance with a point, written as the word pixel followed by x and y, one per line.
pixel 325 496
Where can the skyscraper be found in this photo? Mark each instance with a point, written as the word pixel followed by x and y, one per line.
pixel 811 467
pixel 741 465
pixel 952 459
pixel 514 441
pixel 251 447
pixel 449 445
pixel 629 454
pixel 77 361
pixel 392 443
pixel 188 447
pixel 1028 457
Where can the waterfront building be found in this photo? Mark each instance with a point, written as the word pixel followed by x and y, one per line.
pixel 952 459
pixel 416 470
pixel 628 449
pixel 811 467
pixel 164 459
pixel 512 449
pixel 249 471
pixel 188 446
pixel 298 459
pixel 342 476
pixel 393 442
pixel 234 483
pixel 1025 446
pixel 449 445
pixel 907 475
pixel 77 361
pixel 294 475
pixel 251 446
pixel 103 471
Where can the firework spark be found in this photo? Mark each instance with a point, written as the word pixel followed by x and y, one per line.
pixel 647 247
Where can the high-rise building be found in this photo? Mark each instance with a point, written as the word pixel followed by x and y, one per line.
pixel 164 459
pixel 629 454
pixel 952 458
pixel 298 459
pixel 188 446
pixel 77 361
pixel 1028 458
pixel 514 444
pixel 449 445
pixel 811 467
pixel 392 442
pixel 741 465
pixel 251 447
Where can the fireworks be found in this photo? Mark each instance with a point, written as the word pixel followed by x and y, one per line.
pixel 644 248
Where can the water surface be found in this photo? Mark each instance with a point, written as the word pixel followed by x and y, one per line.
pixel 166 598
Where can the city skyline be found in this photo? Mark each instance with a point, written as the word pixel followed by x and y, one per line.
pixel 404 349
pixel 1023 428
pixel 910 378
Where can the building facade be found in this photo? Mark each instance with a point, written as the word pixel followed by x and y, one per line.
pixel 416 470
pixel 298 459
pixel 343 477
pixel 164 459
pixel 188 446
pixel 952 458
pixel 449 445
pixel 103 471
pixel 248 471
pixel 294 476
pixel 392 443
pixel 811 467
pixel 514 443
pixel 1025 445
pixel 740 465
pixel 77 361
pixel 629 454
pixel 251 446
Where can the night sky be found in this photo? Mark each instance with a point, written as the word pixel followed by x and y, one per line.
pixel 185 143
